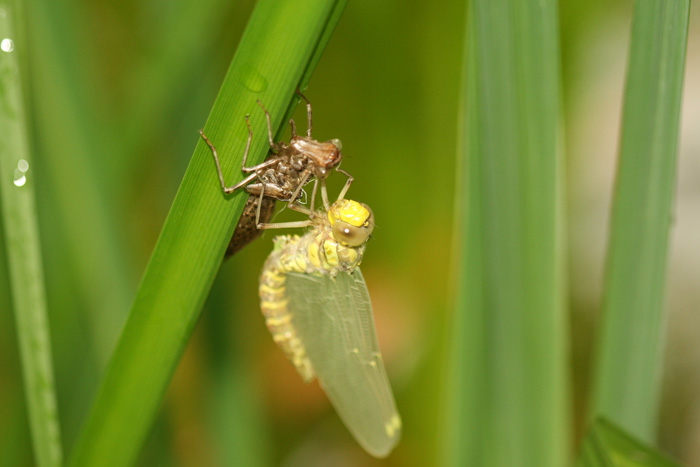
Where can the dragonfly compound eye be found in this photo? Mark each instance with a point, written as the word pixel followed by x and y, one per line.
pixel 350 235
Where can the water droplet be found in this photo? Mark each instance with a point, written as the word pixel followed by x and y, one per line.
pixel 19 176
pixel 7 45
pixel 2 13
pixel 253 80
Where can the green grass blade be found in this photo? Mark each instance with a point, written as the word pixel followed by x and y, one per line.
pixel 280 40
pixel 23 252
pixel 606 445
pixel 629 353
pixel 466 370
pixel 513 394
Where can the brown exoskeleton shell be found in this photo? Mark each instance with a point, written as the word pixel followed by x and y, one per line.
pixel 282 176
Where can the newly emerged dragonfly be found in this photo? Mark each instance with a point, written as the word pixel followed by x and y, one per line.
pixel 282 176
pixel 317 307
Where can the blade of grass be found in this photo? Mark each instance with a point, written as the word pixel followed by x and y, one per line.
pixel 511 282
pixel 23 252
pixel 628 367
pixel 607 445
pixel 466 371
pixel 274 53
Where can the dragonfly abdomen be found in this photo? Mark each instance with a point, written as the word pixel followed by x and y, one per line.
pixel 279 320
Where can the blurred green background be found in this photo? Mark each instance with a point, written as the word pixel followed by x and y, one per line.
pixel 117 92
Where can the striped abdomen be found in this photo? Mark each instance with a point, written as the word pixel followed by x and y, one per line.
pixel 278 319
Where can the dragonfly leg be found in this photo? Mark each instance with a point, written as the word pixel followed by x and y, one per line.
pixel 255 168
pixel 324 195
pixel 347 184
pixel 293 204
pixel 285 225
pixel 263 165
pixel 304 178
pixel 246 180
pixel 269 126
pixel 242 183
pixel 308 113
pixel 247 144
pixel 226 189
pixel 313 195
pixel 260 203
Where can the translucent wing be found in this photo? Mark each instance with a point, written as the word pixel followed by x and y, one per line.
pixel 333 318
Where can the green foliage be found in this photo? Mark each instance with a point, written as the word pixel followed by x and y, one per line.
pixel 115 93
pixel 19 219
pixel 631 341
pixel 510 346
pixel 607 445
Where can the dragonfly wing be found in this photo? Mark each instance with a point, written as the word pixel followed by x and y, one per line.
pixel 333 318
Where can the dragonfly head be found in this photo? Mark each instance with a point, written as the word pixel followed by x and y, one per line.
pixel 351 222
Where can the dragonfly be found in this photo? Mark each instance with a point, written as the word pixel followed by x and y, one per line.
pixel 317 307
pixel 281 176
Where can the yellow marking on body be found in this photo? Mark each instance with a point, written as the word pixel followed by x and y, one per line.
pixel 301 263
pixel 284 264
pixel 348 211
pixel 348 255
pixel 278 338
pixel 331 250
pixel 276 305
pixel 293 263
pixel 274 275
pixel 393 426
pixel 289 264
pixel 277 320
pixel 313 255
pixel 268 289
pixel 273 283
